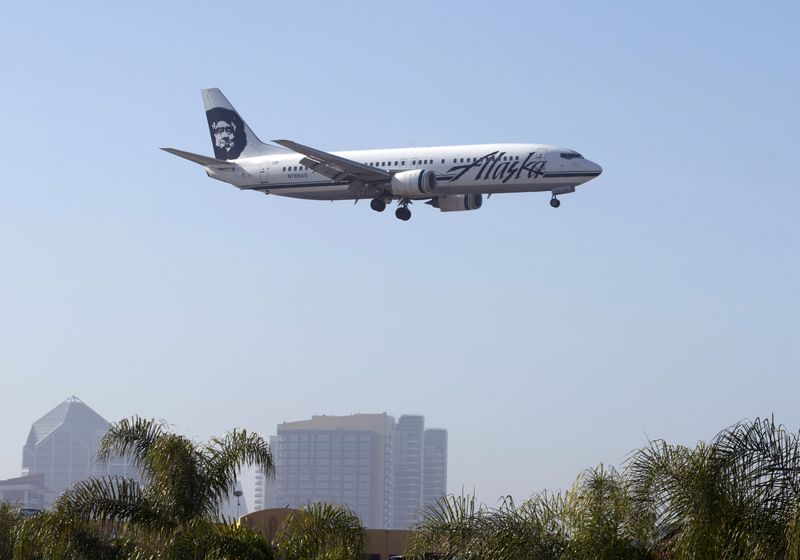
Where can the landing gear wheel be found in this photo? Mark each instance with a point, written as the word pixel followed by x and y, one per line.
pixel 378 204
pixel 403 213
pixel 554 202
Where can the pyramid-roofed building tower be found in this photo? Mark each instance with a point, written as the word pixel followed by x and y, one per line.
pixel 62 445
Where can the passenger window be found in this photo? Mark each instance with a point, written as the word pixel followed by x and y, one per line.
pixel 284 169
pixel 442 161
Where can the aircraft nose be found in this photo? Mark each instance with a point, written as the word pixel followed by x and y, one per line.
pixel 595 168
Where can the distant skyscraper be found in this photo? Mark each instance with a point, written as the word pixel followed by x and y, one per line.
pixel 265 494
pixel 434 466
pixel 336 459
pixel 408 449
pixel 366 461
pixel 62 446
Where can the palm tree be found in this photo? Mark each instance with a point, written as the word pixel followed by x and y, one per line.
pixel 174 513
pixel 453 527
pixel 9 519
pixel 321 532
pixel 596 518
pixel 602 520
pixel 736 497
pixel 534 529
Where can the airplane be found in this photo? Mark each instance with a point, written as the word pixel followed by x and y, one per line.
pixel 450 178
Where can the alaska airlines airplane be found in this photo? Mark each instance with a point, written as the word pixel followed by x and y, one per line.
pixel 450 178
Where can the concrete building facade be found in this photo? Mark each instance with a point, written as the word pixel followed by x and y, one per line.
pixel 408 450
pixel 434 466
pixel 26 492
pixel 368 462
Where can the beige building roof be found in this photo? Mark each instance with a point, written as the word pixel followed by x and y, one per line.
pixel 380 545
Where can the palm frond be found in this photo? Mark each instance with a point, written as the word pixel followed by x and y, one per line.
pixel 453 527
pixel 111 500
pixel 324 531
pixel 9 520
pixel 131 438
pixel 228 455
pixel 176 479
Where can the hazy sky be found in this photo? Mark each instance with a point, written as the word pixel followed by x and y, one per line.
pixel 661 299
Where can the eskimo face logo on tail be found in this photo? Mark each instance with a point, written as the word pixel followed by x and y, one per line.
pixel 227 133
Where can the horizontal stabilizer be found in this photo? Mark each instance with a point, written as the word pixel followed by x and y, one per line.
pixel 197 158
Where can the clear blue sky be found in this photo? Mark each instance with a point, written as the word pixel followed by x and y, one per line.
pixel 660 300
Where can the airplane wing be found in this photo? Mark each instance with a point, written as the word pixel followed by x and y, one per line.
pixel 335 167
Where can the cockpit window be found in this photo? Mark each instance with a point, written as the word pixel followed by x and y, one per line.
pixel 571 155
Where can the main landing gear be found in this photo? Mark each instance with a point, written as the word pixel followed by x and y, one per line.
pixel 403 213
pixel 554 202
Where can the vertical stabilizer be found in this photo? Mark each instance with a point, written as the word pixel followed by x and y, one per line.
pixel 230 135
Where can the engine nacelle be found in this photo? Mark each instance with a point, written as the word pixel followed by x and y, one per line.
pixel 414 183
pixel 459 202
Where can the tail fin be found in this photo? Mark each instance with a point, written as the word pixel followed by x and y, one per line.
pixel 230 135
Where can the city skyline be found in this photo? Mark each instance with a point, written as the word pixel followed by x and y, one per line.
pixel 62 444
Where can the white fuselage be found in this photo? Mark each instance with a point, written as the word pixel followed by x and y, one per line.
pixel 481 168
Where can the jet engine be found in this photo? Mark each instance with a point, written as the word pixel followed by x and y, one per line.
pixel 458 202
pixel 414 183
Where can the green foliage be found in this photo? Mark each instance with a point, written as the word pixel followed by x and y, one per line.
pixel 602 520
pixel 52 535
pixel 9 519
pixel 737 497
pixel 321 532
pixel 455 527
pixel 174 514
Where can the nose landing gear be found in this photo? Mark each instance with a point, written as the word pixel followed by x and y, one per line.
pixel 554 202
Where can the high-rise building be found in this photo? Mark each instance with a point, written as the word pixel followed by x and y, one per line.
pixel 434 466
pixel 265 493
pixel 368 462
pixel 408 449
pixel 62 446
pixel 336 459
